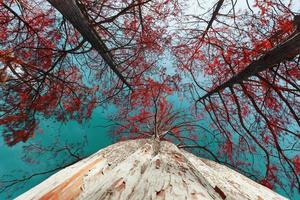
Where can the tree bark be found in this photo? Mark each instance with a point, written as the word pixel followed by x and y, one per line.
pixel 147 169
pixel 70 10
pixel 286 51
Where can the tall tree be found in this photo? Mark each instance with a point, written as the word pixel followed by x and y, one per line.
pixel 250 60
pixel 239 63
pixel 57 64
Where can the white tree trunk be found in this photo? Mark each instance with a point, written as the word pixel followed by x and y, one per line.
pixel 147 169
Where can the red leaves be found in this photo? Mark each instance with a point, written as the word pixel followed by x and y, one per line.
pixel 91 106
pixel 227 148
pixel 271 178
pixel 235 42
pixel 144 94
pixel 267 183
pixel 53 59
pixel 48 50
pixel 3 35
pixel 294 72
pixel 272 103
pixel 262 5
pixel 285 25
pixel 19 128
pixel 262 46
pixel 46 102
pixel 266 139
pixel 141 117
pixel 296 162
pixel 149 113
pixel 23 104
pixel 20 117
pixel 131 26
pixel 72 104
pixel 19 136
pixel 245 111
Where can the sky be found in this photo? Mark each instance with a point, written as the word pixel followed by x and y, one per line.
pixel 11 157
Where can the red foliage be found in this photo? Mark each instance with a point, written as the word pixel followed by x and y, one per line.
pixel 50 70
pixel 296 161
pixel 271 178
pixel 240 101
pixel 47 57
pixel 150 113
pixel 267 183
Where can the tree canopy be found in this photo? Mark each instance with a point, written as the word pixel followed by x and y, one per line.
pixel 235 64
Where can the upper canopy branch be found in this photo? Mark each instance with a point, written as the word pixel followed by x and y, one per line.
pixel 285 51
pixel 72 13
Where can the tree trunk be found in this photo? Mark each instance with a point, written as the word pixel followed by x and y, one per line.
pixel 147 169
pixel 286 51
pixel 70 10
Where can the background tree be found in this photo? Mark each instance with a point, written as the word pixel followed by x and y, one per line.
pixel 250 58
pixel 55 67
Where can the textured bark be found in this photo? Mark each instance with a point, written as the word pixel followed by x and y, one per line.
pixel 286 51
pixel 147 169
pixel 214 16
pixel 70 10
